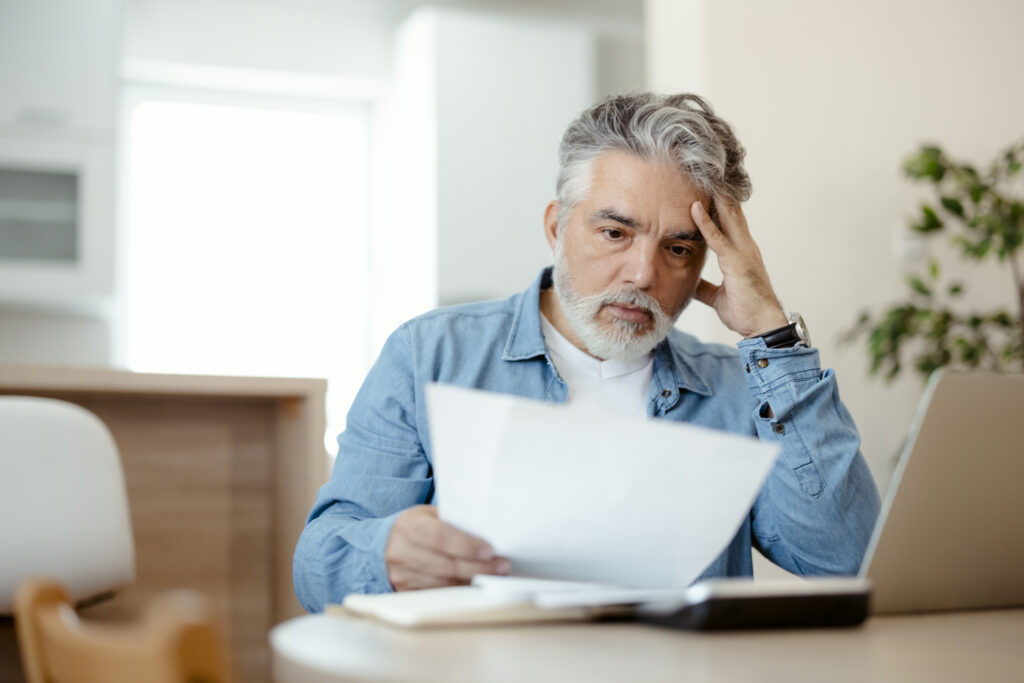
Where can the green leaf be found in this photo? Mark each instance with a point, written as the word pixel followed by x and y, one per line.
pixel 928 164
pixel 953 205
pixel 977 191
pixel 933 269
pixel 956 288
pixel 918 286
pixel 1002 318
pixel 929 220
pixel 982 247
pixel 893 371
pixel 926 365
pixel 1013 165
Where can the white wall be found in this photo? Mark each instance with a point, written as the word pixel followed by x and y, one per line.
pixel 828 98
pixel 52 337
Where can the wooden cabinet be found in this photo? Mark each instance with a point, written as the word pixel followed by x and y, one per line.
pixel 221 473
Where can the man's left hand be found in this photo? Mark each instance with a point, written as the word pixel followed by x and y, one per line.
pixel 745 301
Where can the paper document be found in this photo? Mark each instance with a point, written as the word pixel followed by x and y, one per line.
pixel 457 605
pixel 501 600
pixel 574 494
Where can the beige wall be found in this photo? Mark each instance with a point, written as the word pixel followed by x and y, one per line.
pixel 828 98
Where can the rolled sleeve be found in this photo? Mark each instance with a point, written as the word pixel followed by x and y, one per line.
pixel 381 470
pixel 817 510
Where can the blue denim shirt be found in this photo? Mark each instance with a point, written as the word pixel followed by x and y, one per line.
pixel 814 514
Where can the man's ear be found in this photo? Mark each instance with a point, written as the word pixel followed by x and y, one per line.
pixel 551 224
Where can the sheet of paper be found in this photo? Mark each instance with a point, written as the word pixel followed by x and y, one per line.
pixel 455 605
pixel 550 594
pixel 572 494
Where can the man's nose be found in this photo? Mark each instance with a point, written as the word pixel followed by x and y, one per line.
pixel 640 268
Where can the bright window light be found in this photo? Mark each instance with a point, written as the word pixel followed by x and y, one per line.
pixel 246 243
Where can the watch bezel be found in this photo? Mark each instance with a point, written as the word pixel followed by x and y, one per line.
pixel 800 328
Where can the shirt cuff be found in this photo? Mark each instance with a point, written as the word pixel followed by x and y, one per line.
pixel 371 537
pixel 768 369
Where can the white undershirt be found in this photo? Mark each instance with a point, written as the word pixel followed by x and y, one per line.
pixel 617 385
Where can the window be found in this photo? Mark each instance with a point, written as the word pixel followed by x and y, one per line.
pixel 245 239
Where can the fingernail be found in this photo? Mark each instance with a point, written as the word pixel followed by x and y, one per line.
pixel 503 567
pixel 485 553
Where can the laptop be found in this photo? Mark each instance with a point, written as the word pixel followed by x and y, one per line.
pixel 950 534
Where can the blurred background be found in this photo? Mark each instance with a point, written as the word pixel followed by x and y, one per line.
pixel 269 188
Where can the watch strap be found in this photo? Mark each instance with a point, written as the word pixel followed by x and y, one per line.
pixel 781 337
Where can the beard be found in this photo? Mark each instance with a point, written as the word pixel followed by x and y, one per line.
pixel 626 339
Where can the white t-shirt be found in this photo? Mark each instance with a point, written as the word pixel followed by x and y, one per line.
pixel 620 386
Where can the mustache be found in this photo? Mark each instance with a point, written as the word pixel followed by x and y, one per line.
pixel 629 297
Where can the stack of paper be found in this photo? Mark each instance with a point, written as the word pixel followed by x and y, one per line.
pixel 567 493
pixel 499 599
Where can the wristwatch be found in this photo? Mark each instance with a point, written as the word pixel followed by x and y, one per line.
pixel 788 335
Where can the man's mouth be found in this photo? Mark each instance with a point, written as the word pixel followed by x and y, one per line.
pixel 633 314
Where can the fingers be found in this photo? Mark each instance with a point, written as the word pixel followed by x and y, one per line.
pixel 427 530
pixel 731 226
pixel 423 552
pixel 410 580
pixel 409 562
pixel 714 237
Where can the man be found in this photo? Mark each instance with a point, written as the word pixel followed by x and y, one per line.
pixel 647 185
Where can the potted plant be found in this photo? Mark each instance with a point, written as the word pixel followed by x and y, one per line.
pixel 983 213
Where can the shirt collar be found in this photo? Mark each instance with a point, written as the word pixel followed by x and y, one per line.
pixel 673 370
pixel 526 341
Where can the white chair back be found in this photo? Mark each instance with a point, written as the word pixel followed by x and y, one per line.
pixel 63 503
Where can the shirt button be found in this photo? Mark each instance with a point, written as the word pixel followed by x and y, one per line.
pixel 780 428
pixel 748 367
pixel 763 363
pixel 666 393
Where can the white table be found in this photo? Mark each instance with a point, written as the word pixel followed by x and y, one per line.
pixel 965 646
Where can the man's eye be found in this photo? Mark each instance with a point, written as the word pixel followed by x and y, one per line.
pixel 613 234
pixel 679 250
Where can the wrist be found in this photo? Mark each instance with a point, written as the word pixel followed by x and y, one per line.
pixel 773 321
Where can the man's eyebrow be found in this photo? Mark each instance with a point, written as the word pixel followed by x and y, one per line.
pixel 613 215
pixel 686 236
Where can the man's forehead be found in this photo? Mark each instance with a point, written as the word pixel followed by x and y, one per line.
pixel 629 175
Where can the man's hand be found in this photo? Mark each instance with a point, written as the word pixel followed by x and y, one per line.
pixel 424 552
pixel 745 301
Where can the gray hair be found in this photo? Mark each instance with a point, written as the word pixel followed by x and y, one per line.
pixel 681 129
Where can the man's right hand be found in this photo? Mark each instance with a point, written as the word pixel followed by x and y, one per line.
pixel 424 552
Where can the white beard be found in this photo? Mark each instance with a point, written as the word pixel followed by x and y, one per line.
pixel 625 341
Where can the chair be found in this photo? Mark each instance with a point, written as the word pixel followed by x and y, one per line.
pixel 62 500
pixel 176 641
